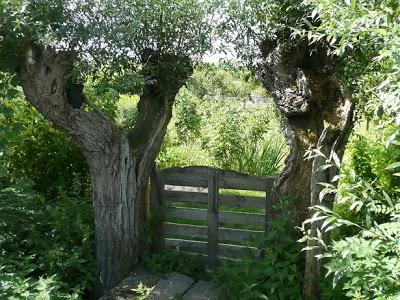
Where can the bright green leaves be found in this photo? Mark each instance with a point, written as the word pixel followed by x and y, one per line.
pixel 365 35
pixel 111 36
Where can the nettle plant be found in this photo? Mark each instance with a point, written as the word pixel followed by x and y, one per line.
pixel 364 265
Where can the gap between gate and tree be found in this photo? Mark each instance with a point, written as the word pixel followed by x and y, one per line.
pixel 211 180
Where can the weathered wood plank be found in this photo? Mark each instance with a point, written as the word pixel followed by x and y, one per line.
pixel 230 234
pixel 200 247
pixel 185 229
pixel 224 216
pixel 156 197
pixel 240 181
pixel 204 257
pixel 224 199
pixel 187 213
pixel 187 176
pixel 191 197
pixel 225 234
pixel 241 218
pixel 242 201
pixel 198 176
pixel 212 217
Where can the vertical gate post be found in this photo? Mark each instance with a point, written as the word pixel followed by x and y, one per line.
pixel 271 199
pixel 156 195
pixel 212 216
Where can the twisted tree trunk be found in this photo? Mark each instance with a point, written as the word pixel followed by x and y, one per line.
pixel 119 163
pixel 318 113
pixel 311 98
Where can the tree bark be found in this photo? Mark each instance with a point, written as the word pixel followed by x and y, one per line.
pixel 311 98
pixel 119 163
pixel 318 113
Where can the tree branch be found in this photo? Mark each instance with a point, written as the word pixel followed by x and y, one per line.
pixel 43 78
pixel 168 74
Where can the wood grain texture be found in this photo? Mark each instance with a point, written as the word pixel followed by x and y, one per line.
pixel 224 199
pixel 200 214
pixel 198 177
pixel 212 217
pixel 200 247
pixel 224 234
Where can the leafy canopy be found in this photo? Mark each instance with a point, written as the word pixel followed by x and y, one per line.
pixel 112 35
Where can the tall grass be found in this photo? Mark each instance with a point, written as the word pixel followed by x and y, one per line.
pixel 264 157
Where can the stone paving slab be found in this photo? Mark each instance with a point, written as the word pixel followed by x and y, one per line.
pixel 170 286
pixel 202 290
pixel 123 291
pixel 173 285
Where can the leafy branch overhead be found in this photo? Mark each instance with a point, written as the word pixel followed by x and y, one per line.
pixel 111 36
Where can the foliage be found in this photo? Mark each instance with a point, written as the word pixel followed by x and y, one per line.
pixel 38 151
pixel 363 33
pixel 252 22
pixel 227 123
pixel 142 291
pixel 365 264
pixel 112 37
pixel 364 178
pixel 175 261
pixel 15 287
pixel 46 252
pixel 274 275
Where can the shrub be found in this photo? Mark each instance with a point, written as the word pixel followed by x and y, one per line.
pixel 46 243
pixel 276 275
pixel 364 265
pixel 175 261
pixel 365 179
pixel 38 151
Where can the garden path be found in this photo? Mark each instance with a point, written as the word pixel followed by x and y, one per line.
pixel 142 284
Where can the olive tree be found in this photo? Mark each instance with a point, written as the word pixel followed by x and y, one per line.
pixel 53 46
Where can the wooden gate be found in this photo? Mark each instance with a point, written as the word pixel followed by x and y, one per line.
pixel 209 219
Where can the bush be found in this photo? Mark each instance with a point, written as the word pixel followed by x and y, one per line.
pixel 364 264
pixel 276 275
pixel 216 123
pixel 175 261
pixel 364 178
pixel 46 246
pixel 38 151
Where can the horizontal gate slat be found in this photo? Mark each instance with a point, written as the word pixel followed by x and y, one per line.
pixel 192 197
pixel 241 218
pixel 239 181
pixel 224 216
pixel 229 200
pixel 225 234
pixel 188 176
pixel 201 248
pixel 229 234
pixel 187 213
pixel 186 229
pixel 198 176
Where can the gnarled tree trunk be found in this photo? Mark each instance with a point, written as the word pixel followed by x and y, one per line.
pixel 318 112
pixel 119 163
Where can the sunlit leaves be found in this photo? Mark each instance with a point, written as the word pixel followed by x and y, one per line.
pixel 365 34
pixel 108 34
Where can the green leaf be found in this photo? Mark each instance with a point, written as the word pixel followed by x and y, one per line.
pixel 308 23
pixel 393 166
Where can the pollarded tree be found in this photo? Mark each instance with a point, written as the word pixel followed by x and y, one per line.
pixel 301 77
pixel 318 58
pixel 52 46
pixel 309 89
